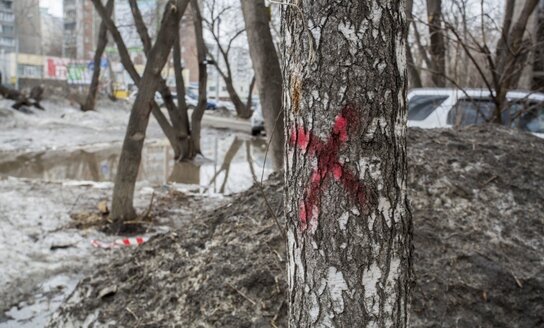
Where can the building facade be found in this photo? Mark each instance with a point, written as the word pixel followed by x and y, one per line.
pixel 7 26
pixel 80 29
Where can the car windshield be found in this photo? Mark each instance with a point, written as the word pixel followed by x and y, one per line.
pixel 471 112
pixel 523 114
pixel 421 106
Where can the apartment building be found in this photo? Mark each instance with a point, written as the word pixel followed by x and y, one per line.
pixel 7 27
pixel 80 29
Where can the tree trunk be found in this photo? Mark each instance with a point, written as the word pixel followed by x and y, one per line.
pixel 349 224
pixel 186 147
pixel 198 112
pixel 268 73
pixel 100 47
pixel 413 73
pixel 241 110
pixel 129 163
pixel 510 54
pixel 438 46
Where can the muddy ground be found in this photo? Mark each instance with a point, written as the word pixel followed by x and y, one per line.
pixel 478 207
pixel 60 163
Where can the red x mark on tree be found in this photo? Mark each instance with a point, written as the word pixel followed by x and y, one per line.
pixel 328 165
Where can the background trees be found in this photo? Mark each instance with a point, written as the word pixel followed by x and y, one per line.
pixel 484 44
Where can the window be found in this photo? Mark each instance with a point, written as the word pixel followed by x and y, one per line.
pixel 8 42
pixel 421 106
pixel 471 111
pixel 30 71
pixel 6 17
pixel 524 115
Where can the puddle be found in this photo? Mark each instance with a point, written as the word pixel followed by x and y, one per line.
pixel 230 165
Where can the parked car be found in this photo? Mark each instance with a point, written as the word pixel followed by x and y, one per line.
pixel 257 121
pixel 439 108
pixel 228 105
pixel 192 100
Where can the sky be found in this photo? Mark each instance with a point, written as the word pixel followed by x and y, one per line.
pixel 54 6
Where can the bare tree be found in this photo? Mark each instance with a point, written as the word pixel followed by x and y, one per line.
pixel 242 109
pixel 125 180
pixel 349 225
pixel 268 73
pixel 100 47
pixel 501 70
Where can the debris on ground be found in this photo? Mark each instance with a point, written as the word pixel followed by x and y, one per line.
pixel 477 202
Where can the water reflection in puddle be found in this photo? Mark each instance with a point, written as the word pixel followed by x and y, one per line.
pixel 230 165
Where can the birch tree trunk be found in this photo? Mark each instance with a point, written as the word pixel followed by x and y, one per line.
pixel 268 73
pixel 349 224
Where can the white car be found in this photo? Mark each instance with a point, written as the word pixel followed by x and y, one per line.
pixel 441 108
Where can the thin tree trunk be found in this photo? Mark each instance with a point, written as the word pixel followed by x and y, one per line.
pixel 268 73
pixel 186 147
pixel 438 46
pixel 198 112
pixel 100 47
pixel 249 101
pixel 413 72
pixel 241 109
pixel 125 180
pixel 349 224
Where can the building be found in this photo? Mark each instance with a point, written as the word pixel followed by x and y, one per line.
pixel 80 29
pixel 28 26
pixel 52 34
pixel 7 26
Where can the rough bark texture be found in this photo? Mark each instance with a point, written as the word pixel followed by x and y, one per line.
pixel 268 74
pixel 123 191
pixel 100 47
pixel 349 225
pixel 438 45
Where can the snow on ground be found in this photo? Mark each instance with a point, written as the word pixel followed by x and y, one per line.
pixel 61 125
pixel 42 257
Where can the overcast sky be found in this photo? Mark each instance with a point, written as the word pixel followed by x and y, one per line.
pixel 55 6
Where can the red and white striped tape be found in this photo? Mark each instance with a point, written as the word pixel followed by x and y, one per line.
pixel 120 242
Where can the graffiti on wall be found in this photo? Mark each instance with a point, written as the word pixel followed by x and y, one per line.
pixel 71 70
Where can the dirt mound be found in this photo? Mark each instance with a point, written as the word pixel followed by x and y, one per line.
pixel 478 209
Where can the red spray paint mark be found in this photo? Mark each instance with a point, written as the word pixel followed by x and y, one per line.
pixel 327 154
